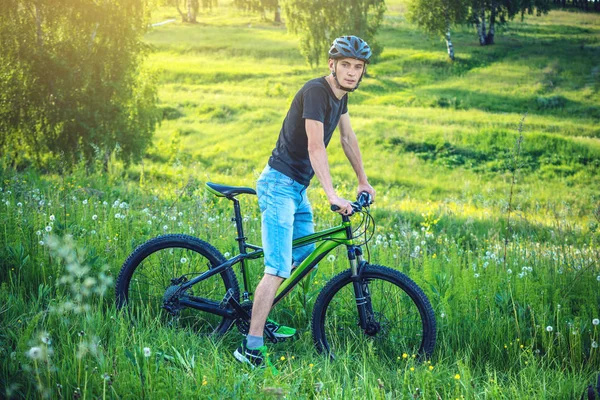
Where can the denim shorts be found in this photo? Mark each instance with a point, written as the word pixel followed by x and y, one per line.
pixel 286 215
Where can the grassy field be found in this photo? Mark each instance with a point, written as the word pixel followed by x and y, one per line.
pixel 516 295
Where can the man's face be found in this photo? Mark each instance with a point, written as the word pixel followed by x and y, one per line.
pixel 348 71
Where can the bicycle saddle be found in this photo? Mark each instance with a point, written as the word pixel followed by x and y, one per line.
pixel 228 191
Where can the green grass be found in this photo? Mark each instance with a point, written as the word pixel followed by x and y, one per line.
pixel 438 142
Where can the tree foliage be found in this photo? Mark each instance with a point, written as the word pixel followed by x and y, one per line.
pixel 71 83
pixel 261 6
pixel 318 22
pixel 436 16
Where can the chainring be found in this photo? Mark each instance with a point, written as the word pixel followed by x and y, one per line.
pixel 242 324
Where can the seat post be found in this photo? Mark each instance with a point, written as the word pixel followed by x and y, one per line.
pixel 241 239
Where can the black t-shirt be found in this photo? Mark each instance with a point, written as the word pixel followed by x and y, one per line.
pixel 314 101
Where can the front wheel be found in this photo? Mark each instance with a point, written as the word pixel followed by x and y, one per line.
pixel 152 273
pixel 398 316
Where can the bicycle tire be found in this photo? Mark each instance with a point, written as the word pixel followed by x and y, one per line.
pixel 394 298
pixel 147 273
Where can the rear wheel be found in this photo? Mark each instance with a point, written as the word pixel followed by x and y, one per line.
pixel 152 273
pixel 399 316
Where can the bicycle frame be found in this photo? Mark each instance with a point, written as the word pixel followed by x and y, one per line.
pixel 328 238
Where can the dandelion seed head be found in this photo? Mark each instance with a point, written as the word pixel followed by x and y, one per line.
pixel 94 217
pixel 35 353
pixel 331 258
pixel 48 228
pixel 147 352
pixel 165 227
pixel 596 321
pixel 39 233
pixel 594 344
pixel 549 328
pixel 52 218
pixel 183 260
pixel 85 202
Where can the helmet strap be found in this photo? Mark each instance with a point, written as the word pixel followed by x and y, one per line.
pixel 344 88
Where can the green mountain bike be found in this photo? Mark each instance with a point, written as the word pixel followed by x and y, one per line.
pixel 182 279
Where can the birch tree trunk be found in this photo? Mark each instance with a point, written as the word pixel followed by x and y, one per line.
pixel 449 45
pixel 191 13
pixel 482 39
pixel 183 16
pixel 492 31
pixel 277 18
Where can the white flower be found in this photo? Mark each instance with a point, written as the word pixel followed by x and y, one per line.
pixel 46 338
pixel 35 353
pixel 85 202
pixel 549 328
pixel 183 260
pixel 117 215
pixel 509 271
pixel 48 228
pixel 52 217
pixel 149 222
pixel 39 233
pixel 165 228
pixel 596 321
pixel 94 217
pixel 41 242
pixel 19 204
pixel 476 276
pixel 227 254
pixel 147 352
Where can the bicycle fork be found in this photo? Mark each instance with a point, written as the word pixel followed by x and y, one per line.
pixel 362 295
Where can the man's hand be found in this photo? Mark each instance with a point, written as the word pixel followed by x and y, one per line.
pixel 366 187
pixel 344 206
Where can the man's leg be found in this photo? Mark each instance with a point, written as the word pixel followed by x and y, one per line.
pixel 263 301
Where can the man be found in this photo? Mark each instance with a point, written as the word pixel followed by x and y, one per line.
pixel 300 153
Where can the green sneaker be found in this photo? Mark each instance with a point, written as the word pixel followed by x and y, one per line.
pixel 254 357
pixel 280 331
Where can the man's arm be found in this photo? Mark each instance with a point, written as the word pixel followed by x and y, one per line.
pixel 350 146
pixel 320 164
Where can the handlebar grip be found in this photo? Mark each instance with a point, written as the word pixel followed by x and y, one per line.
pixel 334 207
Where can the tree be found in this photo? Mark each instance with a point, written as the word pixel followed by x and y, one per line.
pixel 436 17
pixel 499 12
pixel 318 22
pixel 261 6
pixel 191 8
pixel 71 83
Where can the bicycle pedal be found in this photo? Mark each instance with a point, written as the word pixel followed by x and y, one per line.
pixel 226 299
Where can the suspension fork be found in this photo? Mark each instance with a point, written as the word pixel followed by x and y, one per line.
pixel 361 289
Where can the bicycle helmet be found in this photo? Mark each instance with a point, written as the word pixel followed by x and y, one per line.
pixel 350 47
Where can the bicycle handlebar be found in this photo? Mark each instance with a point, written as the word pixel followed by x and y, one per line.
pixel 364 199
